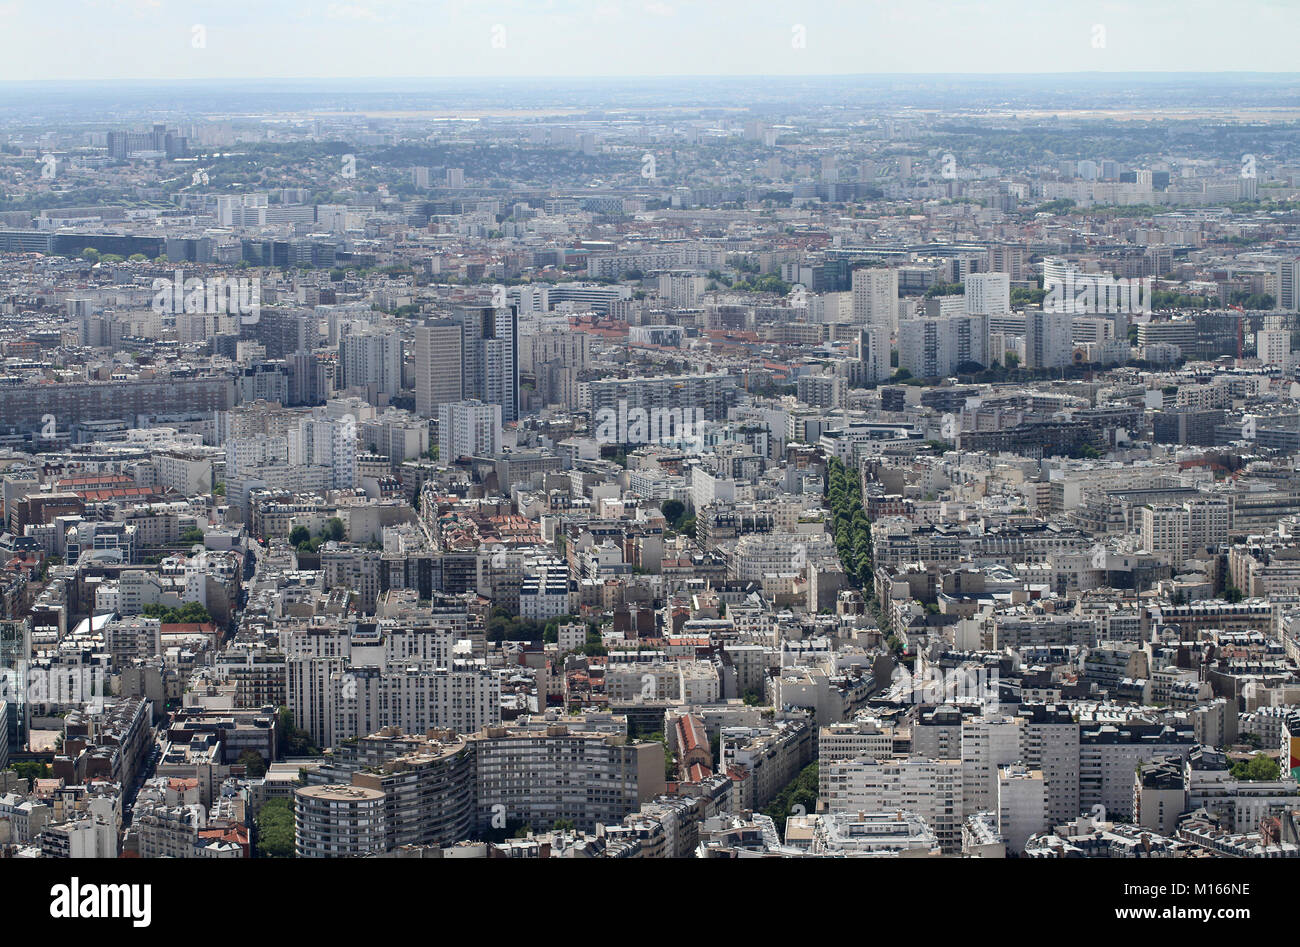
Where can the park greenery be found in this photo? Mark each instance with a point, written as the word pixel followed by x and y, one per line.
pixel 187 614
pixel 800 791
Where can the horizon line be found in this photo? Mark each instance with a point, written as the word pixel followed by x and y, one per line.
pixel 651 76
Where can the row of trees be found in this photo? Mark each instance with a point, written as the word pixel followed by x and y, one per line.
pixel 850 527
pixel 504 626
pixel 800 792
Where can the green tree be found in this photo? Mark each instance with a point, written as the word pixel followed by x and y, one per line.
pixel 254 765
pixel 799 792
pixel 299 535
pixel 31 769
pixel 673 511
pixel 295 741
pixel 275 829
pixel 334 529
pixel 1260 768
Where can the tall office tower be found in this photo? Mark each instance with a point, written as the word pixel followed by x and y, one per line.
pixel 873 353
pixel 875 297
pixel 555 357
pixel 1049 339
pixel 371 359
pixel 490 357
pixel 468 429
pixel 1287 296
pixel 474 353
pixel 988 294
pixel 922 348
pixel 437 365
pixel 572 349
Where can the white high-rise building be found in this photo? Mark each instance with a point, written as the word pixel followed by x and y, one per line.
pixel 988 294
pixel 1179 531
pixel 340 684
pixel 987 744
pixel 1049 339
pixel 371 359
pixel 327 442
pixel 875 297
pixel 935 347
pixel 530 298
pixel 1021 805
pixel 468 429
pixel 1274 346
pixel 930 788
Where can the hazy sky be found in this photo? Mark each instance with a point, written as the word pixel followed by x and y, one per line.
pixel 159 39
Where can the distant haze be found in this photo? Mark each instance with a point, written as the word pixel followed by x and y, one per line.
pixel 168 39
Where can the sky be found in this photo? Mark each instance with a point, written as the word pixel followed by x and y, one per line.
pixel 235 39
